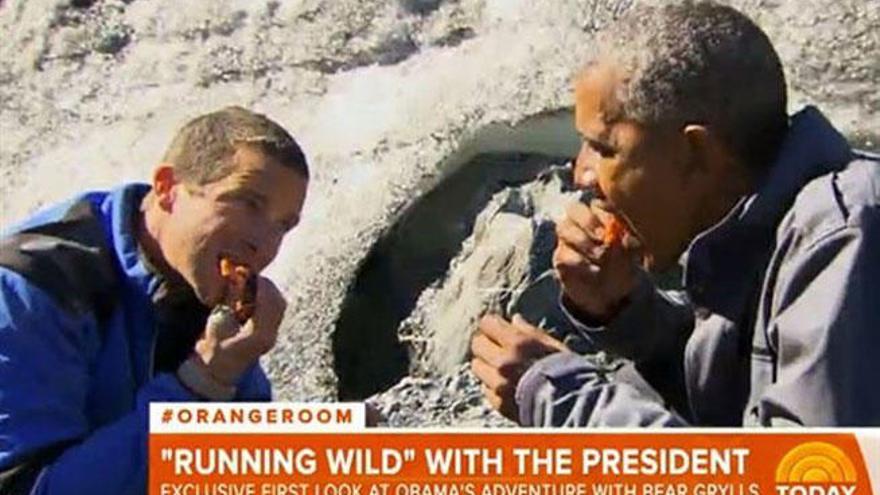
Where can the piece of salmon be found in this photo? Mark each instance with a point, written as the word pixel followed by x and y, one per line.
pixel 614 232
pixel 241 289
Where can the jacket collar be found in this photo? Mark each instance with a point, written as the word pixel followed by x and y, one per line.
pixel 125 211
pixel 146 279
pixel 723 261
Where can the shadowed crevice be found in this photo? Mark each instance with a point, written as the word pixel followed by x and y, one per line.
pixel 414 254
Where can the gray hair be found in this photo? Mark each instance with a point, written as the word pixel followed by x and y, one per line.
pixel 699 62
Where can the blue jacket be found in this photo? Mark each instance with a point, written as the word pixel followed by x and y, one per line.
pixel 778 323
pixel 77 348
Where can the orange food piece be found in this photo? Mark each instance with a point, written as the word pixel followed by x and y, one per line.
pixel 241 288
pixel 226 267
pixel 614 232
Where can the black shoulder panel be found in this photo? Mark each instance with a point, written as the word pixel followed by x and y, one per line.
pixel 20 479
pixel 70 259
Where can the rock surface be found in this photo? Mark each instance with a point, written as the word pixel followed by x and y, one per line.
pixel 504 267
pixel 500 267
pixel 390 99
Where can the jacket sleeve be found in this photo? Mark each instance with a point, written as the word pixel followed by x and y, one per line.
pixel 653 327
pixel 254 386
pixel 651 332
pixel 824 333
pixel 567 389
pixel 46 443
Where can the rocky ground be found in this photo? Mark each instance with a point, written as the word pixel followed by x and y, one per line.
pixel 415 115
pixel 503 267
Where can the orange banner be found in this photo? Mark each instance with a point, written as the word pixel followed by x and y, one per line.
pixel 508 463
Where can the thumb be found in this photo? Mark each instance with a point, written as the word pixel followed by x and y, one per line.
pixel 633 246
pixel 519 322
pixel 536 332
pixel 221 323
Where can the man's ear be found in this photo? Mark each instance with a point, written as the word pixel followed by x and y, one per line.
pixel 699 143
pixel 711 154
pixel 165 186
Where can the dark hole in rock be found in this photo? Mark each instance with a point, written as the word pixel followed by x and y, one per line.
pixel 113 42
pixel 408 259
pixel 456 37
pixel 420 7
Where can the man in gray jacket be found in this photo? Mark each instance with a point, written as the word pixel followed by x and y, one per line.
pixel 775 220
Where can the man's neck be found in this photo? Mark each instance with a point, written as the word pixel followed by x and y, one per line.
pixel 737 184
pixel 148 234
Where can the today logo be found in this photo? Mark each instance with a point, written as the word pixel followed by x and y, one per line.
pixel 816 468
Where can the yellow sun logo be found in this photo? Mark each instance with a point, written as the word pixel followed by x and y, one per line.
pixel 816 462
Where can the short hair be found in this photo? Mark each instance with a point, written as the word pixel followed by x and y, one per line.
pixel 699 62
pixel 203 149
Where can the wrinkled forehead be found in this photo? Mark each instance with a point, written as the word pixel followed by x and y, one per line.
pixel 259 173
pixel 597 102
pixel 251 165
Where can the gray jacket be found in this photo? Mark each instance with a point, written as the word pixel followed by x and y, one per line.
pixel 779 323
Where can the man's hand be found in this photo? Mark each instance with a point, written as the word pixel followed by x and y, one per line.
pixel 502 353
pixel 596 278
pixel 226 355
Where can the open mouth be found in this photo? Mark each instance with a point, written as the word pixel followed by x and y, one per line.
pixel 615 230
pixel 230 257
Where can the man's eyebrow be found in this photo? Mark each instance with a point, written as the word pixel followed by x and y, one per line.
pixel 602 136
pixel 583 133
pixel 599 140
pixel 244 192
pixel 257 194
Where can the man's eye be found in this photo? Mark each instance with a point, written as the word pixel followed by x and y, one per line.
pixel 250 202
pixel 603 150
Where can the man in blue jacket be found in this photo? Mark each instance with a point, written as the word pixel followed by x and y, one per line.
pixel 686 139
pixel 104 301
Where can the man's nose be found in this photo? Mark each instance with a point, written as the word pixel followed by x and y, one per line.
pixel 584 172
pixel 588 179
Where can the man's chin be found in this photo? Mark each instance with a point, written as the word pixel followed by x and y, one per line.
pixel 209 298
